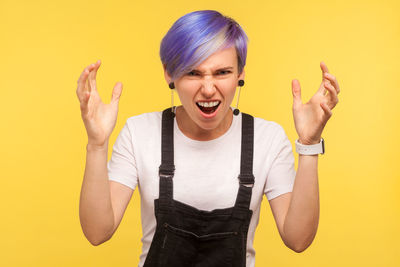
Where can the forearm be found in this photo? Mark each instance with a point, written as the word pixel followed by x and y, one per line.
pixel 95 209
pixel 302 218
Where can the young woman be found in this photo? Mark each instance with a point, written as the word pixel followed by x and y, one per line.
pixel 202 168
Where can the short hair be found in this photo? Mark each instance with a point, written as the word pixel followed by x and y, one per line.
pixel 196 36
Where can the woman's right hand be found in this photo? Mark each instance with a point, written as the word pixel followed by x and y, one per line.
pixel 99 118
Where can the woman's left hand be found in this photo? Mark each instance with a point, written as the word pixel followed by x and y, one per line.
pixel 310 118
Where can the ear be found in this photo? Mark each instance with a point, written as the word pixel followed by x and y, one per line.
pixel 241 75
pixel 166 75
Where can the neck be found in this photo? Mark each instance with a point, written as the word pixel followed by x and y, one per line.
pixel 189 128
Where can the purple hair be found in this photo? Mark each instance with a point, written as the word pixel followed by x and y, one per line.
pixel 196 36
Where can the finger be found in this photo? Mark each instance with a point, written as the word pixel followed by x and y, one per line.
pixel 97 66
pixel 296 91
pixel 92 77
pixel 84 103
pixel 324 69
pixel 82 82
pixel 116 93
pixel 87 70
pixel 332 92
pixel 333 80
pixel 327 110
pixel 80 91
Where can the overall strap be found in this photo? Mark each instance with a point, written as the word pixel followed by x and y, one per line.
pixel 167 167
pixel 246 177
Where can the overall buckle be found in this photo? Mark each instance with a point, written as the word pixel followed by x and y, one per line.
pixel 163 175
pixel 166 171
pixel 246 180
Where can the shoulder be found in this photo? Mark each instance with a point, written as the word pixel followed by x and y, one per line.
pixel 143 126
pixel 268 128
pixel 271 141
pixel 144 120
pixel 269 136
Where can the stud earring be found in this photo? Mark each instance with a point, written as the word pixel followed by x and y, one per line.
pixel 236 110
pixel 172 87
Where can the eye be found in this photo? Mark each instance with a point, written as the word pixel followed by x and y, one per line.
pixel 223 72
pixel 191 73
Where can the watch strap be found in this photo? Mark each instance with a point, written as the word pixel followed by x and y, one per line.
pixel 314 149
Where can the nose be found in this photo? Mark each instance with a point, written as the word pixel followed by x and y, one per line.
pixel 208 88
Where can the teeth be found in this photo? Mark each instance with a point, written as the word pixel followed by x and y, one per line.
pixel 208 104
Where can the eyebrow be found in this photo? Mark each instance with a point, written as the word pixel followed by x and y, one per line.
pixel 223 68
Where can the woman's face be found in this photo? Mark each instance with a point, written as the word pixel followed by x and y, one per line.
pixel 207 92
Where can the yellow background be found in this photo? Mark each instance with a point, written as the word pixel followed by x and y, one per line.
pixel 45 45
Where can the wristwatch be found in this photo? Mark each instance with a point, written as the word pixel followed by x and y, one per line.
pixel 314 149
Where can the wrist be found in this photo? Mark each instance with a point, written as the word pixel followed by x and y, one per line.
pixel 309 142
pixel 95 147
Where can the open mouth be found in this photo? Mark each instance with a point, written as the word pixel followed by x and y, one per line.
pixel 208 107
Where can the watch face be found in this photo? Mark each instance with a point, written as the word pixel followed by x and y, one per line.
pixel 323 146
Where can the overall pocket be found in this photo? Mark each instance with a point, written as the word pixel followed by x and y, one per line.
pixel 181 247
pixel 205 237
pixel 175 249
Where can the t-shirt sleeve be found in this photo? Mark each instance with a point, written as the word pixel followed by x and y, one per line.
pixel 282 174
pixel 122 165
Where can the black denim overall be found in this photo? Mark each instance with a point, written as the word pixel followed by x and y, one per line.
pixel 186 236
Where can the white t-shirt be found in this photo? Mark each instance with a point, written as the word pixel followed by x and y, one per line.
pixel 206 172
